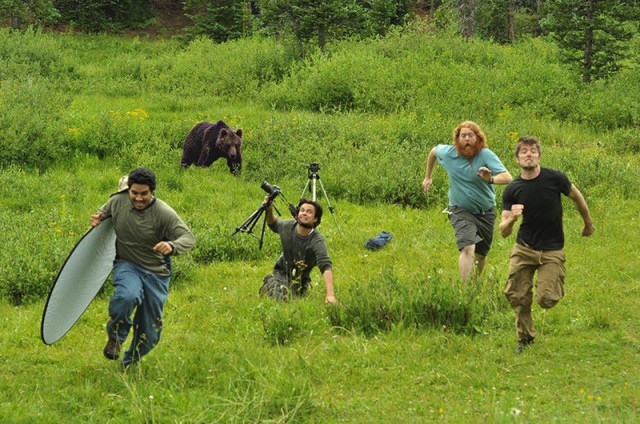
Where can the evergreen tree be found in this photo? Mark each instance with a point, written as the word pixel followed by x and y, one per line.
pixel 321 21
pixel 220 20
pixel 100 15
pixel 19 12
pixel 593 34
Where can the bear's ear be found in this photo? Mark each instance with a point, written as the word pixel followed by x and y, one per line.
pixel 223 132
pixel 239 132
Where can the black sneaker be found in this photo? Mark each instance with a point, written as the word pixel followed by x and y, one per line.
pixel 112 349
pixel 522 344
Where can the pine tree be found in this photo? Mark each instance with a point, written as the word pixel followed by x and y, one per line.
pixel 593 34
pixel 220 20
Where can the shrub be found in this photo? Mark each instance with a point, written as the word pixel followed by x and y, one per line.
pixel 284 322
pixel 28 53
pixel 385 302
pixel 31 131
pixel 609 103
pixel 425 72
pixel 228 71
pixel 35 243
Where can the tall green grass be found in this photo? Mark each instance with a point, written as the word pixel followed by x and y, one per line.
pixel 228 355
pixel 408 341
pixel 382 103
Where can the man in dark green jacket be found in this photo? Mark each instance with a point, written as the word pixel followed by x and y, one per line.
pixel 147 231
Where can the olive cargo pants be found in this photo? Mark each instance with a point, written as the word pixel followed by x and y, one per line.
pixel 524 262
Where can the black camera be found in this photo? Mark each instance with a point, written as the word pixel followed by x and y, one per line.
pixel 249 223
pixel 313 167
pixel 272 190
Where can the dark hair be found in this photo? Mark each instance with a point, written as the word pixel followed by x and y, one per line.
pixel 142 176
pixel 315 204
pixel 529 141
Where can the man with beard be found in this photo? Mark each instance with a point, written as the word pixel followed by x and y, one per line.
pixel 147 232
pixel 303 247
pixel 473 170
pixel 535 196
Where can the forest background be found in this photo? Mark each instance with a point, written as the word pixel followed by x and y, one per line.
pixel 81 106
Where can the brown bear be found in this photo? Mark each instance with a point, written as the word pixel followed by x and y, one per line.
pixel 208 142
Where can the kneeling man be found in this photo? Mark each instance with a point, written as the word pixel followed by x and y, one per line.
pixel 303 247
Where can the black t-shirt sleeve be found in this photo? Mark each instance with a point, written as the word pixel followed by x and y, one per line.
pixel 507 198
pixel 565 184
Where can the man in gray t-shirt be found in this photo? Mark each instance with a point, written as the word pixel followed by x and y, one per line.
pixel 303 248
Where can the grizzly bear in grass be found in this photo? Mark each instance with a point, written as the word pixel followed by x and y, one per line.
pixel 208 142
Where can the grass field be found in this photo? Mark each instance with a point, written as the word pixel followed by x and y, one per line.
pixel 221 358
pixel 94 107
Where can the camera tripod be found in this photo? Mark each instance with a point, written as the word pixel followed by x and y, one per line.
pixel 249 223
pixel 313 177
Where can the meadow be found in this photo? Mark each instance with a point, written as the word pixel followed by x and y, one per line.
pixel 408 341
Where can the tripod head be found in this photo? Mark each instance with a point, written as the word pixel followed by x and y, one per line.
pixel 312 173
pixel 312 170
pixel 274 191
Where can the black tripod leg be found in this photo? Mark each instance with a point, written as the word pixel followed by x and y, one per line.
pixel 264 222
pixel 249 223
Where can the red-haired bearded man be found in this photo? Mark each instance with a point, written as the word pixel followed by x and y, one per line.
pixel 473 172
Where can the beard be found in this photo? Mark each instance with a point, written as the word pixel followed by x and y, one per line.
pixel 469 153
pixel 302 224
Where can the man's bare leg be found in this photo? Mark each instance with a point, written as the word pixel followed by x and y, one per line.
pixel 465 262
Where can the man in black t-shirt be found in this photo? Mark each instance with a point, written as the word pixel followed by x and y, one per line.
pixel 535 196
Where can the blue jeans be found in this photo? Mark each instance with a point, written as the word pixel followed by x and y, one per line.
pixel 144 291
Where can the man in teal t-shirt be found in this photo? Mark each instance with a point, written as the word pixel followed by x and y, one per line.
pixel 473 170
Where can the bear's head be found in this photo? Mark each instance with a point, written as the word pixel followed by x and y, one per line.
pixel 229 142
